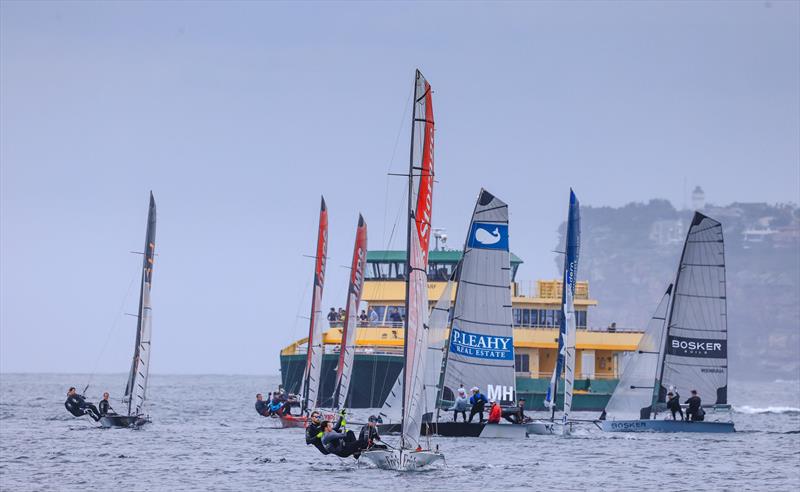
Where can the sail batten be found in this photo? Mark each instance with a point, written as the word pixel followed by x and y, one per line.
pixel 313 369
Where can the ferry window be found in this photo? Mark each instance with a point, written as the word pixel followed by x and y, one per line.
pixel 534 317
pixel 399 270
pixel 580 319
pixel 380 311
pixel 381 270
pixel 549 319
pixel 522 362
pixel 517 316
pixel 557 318
pixel 526 317
pixel 543 317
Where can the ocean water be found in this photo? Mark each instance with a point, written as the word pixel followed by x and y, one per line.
pixel 206 435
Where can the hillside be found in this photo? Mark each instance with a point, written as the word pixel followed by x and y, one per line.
pixel 630 254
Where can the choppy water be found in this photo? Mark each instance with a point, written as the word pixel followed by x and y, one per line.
pixel 206 435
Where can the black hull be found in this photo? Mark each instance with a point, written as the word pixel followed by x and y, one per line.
pixel 123 421
pixel 444 429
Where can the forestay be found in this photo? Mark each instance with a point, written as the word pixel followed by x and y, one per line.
pixel 696 353
pixel 633 397
pixel 481 348
pixel 313 370
pixel 347 349
pixel 136 389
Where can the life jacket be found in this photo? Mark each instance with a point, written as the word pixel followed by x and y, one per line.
pixel 494 414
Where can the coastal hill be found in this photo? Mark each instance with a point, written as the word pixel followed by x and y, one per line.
pixel 630 254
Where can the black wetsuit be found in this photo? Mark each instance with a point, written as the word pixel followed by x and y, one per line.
pixel 674 406
pixel 314 436
pixel 341 444
pixel 262 407
pixel 368 436
pixel 694 412
pixel 78 406
pixel 105 408
pixel 514 415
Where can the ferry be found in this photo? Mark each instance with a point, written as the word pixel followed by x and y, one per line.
pixel 600 352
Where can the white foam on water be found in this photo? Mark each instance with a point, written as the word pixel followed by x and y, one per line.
pixel 754 410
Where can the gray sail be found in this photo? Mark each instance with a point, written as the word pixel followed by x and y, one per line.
pixel 696 351
pixel 481 349
pixel 136 390
pixel 633 397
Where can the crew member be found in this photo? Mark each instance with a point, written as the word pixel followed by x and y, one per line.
pixel 478 402
pixel 494 412
pixel 695 411
pixel 460 405
pixel 314 432
pixel 369 435
pixel 78 406
pixel 516 415
pixel 674 404
pixel 342 444
pixel 262 407
pixel 105 407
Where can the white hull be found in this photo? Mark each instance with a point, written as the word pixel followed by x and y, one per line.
pixel 547 427
pixel 401 461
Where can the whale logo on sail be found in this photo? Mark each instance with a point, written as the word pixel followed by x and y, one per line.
pixel 489 236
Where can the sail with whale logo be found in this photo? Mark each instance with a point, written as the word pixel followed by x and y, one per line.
pixel 347 350
pixel 685 346
pixel 313 370
pixel 136 388
pixel 412 453
pixel 481 350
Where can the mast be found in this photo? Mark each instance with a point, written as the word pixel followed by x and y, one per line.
pixel 140 366
pixel 311 379
pixel 410 223
pixel 344 368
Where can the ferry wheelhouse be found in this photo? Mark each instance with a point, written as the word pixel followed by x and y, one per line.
pixel 536 317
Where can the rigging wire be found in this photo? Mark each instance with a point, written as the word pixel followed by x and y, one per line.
pixel 113 329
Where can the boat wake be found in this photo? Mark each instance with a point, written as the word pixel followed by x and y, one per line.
pixel 747 409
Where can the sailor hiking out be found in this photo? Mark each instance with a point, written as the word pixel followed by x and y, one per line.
pixel 77 405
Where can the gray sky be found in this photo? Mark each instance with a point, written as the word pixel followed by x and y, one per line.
pixel 238 116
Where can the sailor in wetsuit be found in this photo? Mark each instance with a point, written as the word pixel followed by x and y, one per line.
pixel 695 411
pixel 105 407
pixel 516 415
pixel 478 401
pixel 369 435
pixel 674 404
pixel 314 432
pixel 262 407
pixel 78 406
pixel 342 444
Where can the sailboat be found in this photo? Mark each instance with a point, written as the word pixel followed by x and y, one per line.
pixel 347 350
pixel 567 332
pixel 410 454
pixel 684 346
pixel 136 389
pixel 311 376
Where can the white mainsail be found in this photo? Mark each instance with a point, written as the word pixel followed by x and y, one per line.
pixel 347 350
pixel 313 370
pixel 571 257
pixel 633 397
pixel 136 390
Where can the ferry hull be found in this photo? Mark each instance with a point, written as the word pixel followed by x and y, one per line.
pixel 374 375
pixel 463 429
pixel 665 426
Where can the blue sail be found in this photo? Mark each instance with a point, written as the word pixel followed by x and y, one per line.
pixel 572 252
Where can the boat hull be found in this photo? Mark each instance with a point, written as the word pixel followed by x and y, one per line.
pixel 122 421
pixel 665 426
pixel 293 421
pixel 463 429
pixel 400 461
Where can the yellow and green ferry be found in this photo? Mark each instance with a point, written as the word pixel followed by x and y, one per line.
pixel 379 340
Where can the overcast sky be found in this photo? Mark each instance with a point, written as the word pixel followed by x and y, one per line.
pixel 238 116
